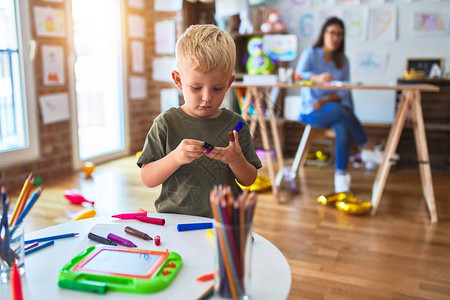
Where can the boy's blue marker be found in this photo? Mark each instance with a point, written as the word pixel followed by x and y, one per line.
pixel 239 126
pixel 194 226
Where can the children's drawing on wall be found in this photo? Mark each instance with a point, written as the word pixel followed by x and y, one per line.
pixel 356 23
pixel 324 2
pixel 373 1
pixel 53 65
pixel 348 1
pixel 370 63
pixel 301 2
pixel 281 47
pixel 307 25
pixel 137 56
pixel 431 22
pixel 49 21
pixel 383 24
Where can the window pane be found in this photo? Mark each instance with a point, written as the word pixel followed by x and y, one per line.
pixel 13 133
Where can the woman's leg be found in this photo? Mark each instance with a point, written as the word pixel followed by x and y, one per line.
pixel 333 113
pixel 342 147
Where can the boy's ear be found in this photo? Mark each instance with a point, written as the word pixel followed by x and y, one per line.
pixel 232 78
pixel 177 79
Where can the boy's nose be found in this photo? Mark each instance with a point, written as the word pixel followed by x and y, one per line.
pixel 206 96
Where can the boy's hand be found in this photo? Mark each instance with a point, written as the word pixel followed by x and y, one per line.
pixel 188 150
pixel 231 154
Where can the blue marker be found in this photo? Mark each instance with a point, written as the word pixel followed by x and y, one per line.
pixel 194 226
pixel 239 126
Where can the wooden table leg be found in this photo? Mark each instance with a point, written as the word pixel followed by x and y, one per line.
pixel 274 127
pixel 422 155
pixel 391 146
pixel 266 145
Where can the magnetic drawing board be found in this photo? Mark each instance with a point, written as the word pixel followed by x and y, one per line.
pixel 102 268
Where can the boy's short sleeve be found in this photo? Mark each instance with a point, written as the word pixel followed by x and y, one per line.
pixel 154 143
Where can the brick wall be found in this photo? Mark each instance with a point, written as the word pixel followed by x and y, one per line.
pixel 55 139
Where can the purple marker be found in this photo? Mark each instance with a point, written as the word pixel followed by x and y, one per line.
pixel 120 240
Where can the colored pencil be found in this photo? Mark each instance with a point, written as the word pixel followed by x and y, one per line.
pixel 53 237
pixel 37 248
pixel 27 208
pixel 17 208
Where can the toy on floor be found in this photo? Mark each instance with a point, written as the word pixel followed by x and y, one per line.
pixel 88 169
pixel 75 197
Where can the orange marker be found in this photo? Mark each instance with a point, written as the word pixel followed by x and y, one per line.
pixel 206 277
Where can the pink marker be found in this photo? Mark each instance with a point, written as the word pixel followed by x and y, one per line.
pixel 157 240
pixel 130 216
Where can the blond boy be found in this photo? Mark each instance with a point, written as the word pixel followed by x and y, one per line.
pixel 174 154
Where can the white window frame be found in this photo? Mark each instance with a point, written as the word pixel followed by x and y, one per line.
pixel 26 56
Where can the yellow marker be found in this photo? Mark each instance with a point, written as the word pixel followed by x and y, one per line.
pixel 85 214
pixel 210 234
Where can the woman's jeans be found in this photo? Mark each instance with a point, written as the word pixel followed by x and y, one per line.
pixel 345 125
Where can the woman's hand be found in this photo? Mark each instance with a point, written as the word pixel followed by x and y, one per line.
pixel 324 77
pixel 319 104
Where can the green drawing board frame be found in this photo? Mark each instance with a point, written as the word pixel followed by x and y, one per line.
pixel 99 269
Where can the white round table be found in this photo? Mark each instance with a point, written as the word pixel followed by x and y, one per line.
pixel 270 276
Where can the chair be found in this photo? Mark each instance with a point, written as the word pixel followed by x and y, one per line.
pixel 289 173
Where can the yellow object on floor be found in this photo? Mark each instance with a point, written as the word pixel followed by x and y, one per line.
pixel 84 214
pixel 353 206
pixel 261 183
pixel 331 198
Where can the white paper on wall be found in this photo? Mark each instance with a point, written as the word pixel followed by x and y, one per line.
pixel 138 87
pixel 165 37
pixel 49 21
pixel 370 63
pixel 168 5
pixel 432 22
pixel 54 107
pixel 356 21
pixel 53 65
pixel 139 4
pixel 383 24
pixel 137 56
pixel 162 69
pixel 136 26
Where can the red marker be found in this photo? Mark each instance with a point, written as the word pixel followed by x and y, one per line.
pixel 16 283
pixel 151 220
pixel 157 240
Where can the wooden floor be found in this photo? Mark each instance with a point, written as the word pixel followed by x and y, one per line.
pixel 398 254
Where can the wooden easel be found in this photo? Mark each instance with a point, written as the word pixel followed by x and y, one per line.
pixel 256 95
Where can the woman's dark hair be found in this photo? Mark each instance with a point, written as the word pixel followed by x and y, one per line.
pixel 339 54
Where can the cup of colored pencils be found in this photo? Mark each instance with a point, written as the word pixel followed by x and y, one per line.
pixel 12 241
pixel 233 224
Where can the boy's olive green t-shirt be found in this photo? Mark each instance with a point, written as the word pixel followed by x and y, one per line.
pixel 187 190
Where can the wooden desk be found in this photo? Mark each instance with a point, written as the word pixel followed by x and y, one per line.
pixel 410 101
